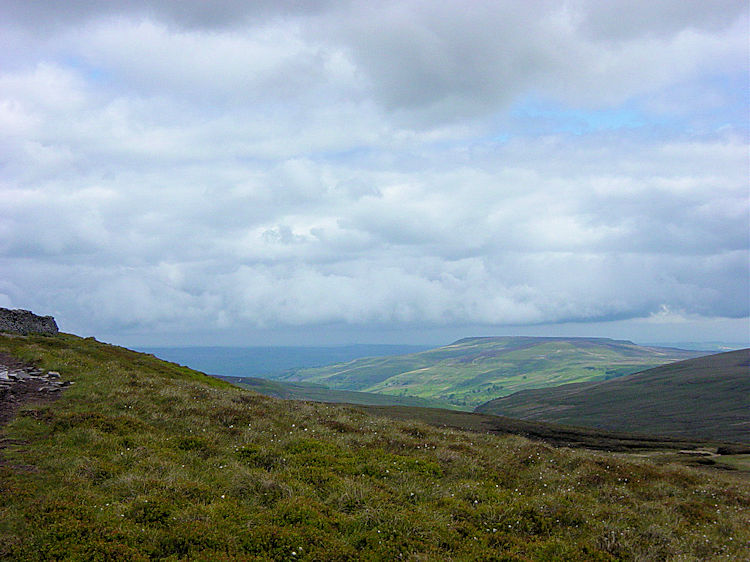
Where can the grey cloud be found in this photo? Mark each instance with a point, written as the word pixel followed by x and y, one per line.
pixel 191 14
pixel 425 63
pixel 615 19
pixel 438 62
pixel 448 59
pixel 624 19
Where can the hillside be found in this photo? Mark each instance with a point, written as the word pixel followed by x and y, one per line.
pixel 707 397
pixel 319 393
pixel 472 371
pixel 141 459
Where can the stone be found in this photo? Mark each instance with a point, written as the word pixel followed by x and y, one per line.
pixel 25 322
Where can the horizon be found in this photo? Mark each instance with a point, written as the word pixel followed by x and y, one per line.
pixel 397 173
pixel 735 345
pixel 705 345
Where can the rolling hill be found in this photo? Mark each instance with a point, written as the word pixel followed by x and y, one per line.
pixel 320 393
pixel 707 397
pixel 140 459
pixel 472 371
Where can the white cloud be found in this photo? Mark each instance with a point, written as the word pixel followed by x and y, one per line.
pixel 356 164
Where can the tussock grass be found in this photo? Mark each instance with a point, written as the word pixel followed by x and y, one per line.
pixel 142 459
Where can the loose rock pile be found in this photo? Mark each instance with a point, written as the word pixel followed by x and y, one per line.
pixel 48 381
pixel 21 384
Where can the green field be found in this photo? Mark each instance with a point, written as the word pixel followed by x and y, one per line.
pixel 320 393
pixel 142 459
pixel 472 371
pixel 707 397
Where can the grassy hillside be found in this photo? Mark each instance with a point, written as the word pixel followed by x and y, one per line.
pixel 142 459
pixel 320 393
pixel 472 371
pixel 707 397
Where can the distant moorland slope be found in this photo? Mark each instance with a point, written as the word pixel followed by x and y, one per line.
pixel 320 393
pixel 706 398
pixel 472 371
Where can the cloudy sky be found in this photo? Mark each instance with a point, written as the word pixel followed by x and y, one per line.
pixel 396 171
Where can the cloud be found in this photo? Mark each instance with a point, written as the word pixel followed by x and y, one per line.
pixel 434 62
pixel 186 14
pixel 424 63
pixel 259 166
pixel 620 19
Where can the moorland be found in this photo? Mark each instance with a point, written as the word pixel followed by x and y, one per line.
pixel 703 398
pixel 472 371
pixel 143 459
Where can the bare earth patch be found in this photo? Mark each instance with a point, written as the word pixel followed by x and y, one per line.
pixel 22 384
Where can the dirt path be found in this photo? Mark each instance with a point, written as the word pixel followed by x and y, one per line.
pixel 21 384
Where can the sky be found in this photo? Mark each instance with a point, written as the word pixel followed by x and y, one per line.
pixel 320 172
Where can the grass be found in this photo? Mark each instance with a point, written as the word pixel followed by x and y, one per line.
pixel 143 459
pixel 704 398
pixel 320 393
pixel 736 462
pixel 473 371
pixel 560 435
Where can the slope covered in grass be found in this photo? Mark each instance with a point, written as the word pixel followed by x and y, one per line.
pixel 142 459
pixel 472 371
pixel 704 398
pixel 320 393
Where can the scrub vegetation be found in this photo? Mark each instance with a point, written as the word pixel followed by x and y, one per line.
pixel 142 459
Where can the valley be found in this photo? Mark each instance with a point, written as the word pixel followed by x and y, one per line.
pixel 472 371
pixel 320 393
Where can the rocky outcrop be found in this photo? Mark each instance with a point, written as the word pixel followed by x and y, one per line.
pixel 25 322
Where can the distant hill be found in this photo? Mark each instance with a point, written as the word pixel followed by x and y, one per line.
pixel 472 371
pixel 705 398
pixel 262 361
pixel 319 393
